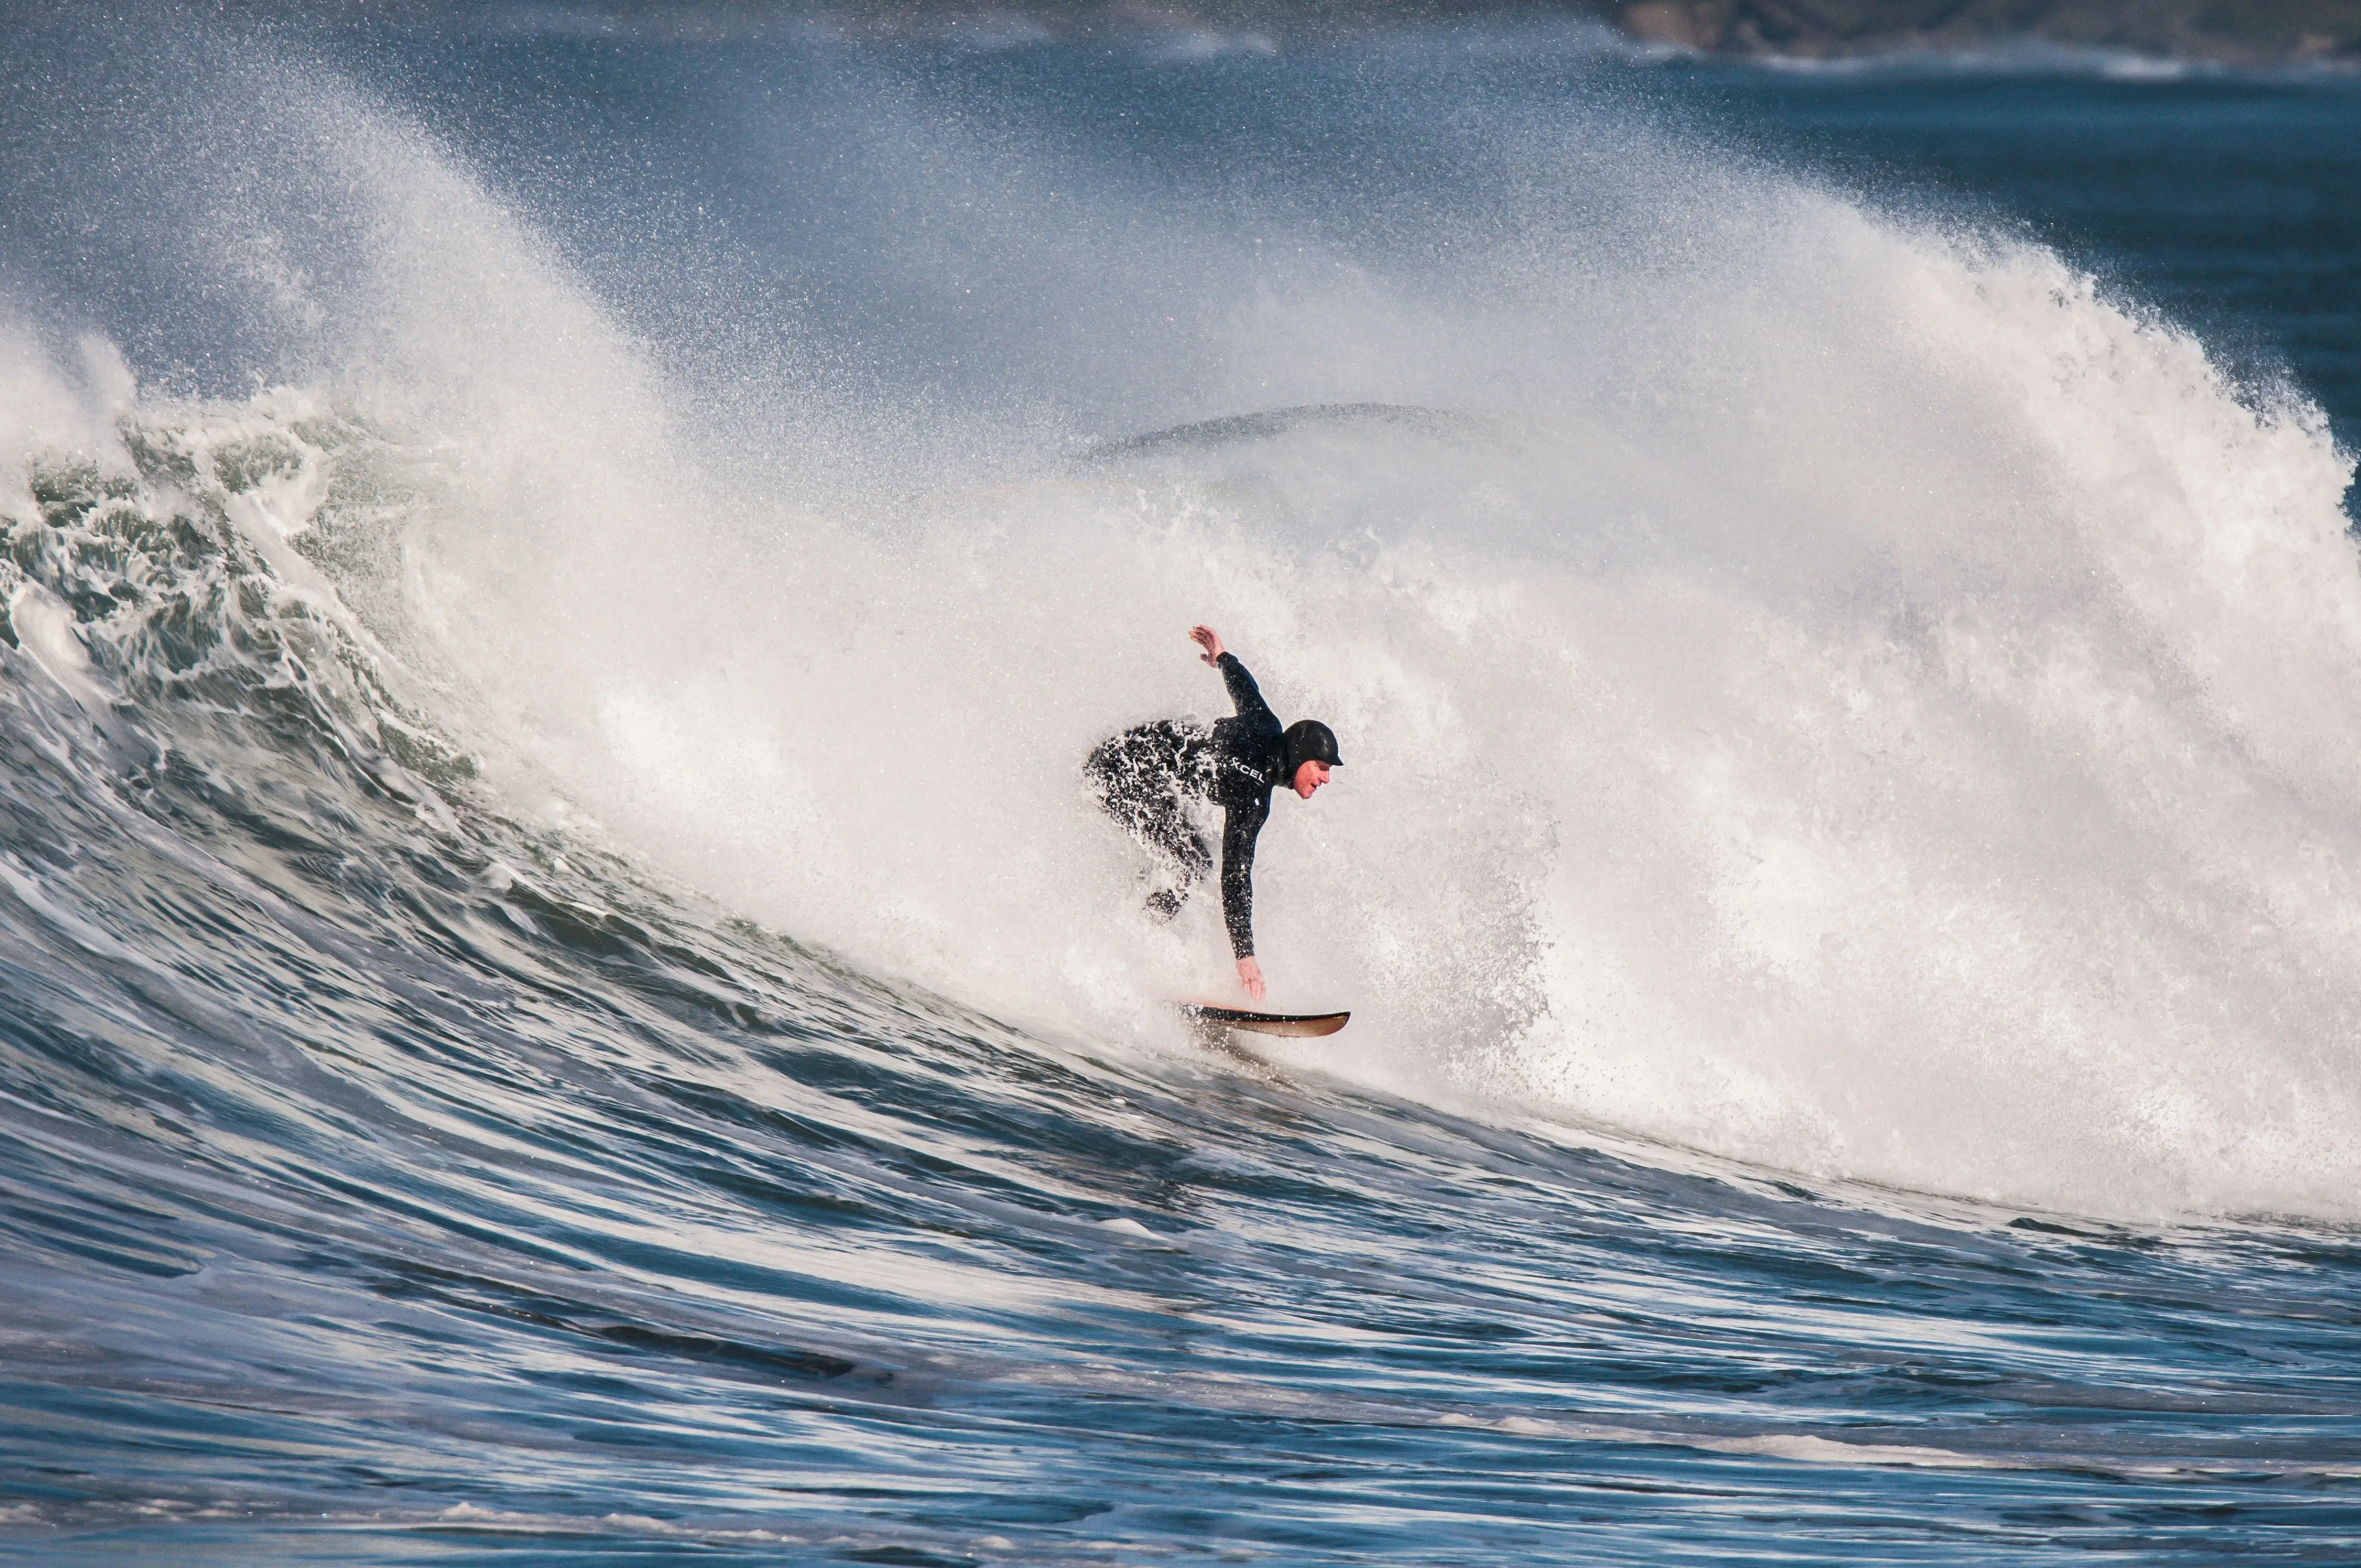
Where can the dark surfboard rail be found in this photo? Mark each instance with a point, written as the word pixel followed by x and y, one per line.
pixel 1294 1025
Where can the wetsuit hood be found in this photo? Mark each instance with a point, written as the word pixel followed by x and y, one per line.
pixel 1309 741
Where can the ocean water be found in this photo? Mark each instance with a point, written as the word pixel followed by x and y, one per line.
pixel 562 999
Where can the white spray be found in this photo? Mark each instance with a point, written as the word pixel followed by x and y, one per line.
pixel 1828 691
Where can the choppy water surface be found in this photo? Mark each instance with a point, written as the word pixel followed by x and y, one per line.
pixel 561 1001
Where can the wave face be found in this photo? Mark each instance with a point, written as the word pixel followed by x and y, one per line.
pixel 563 994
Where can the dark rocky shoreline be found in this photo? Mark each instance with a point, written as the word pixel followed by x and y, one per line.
pixel 2234 32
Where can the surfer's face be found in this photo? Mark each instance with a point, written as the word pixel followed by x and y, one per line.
pixel 1309 777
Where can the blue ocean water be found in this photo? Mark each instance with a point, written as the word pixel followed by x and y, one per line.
pixel 560 1000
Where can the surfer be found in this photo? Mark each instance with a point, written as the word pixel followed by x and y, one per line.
pixel 1146 776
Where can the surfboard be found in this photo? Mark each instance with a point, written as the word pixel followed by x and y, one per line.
pixel 1295 1024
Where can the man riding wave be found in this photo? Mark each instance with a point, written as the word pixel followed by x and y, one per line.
pixel 1146 776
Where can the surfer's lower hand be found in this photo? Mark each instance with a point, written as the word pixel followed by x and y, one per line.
pixel 1208 638
pixel 1250 974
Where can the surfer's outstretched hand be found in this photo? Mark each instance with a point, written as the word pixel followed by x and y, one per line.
pixel 1208 638
pixel 1250 972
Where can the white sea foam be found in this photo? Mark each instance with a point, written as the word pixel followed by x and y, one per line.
pixel 1851 697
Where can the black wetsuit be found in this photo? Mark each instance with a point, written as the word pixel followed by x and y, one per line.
pixel 1146 775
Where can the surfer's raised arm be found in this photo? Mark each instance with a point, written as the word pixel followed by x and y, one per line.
pixel 1245 695
pixel 1146 775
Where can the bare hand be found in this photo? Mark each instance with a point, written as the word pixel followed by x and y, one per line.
pixel 1208 638
pixel 1250 972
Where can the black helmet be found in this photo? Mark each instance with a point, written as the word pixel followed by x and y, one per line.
pixel 1309 741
